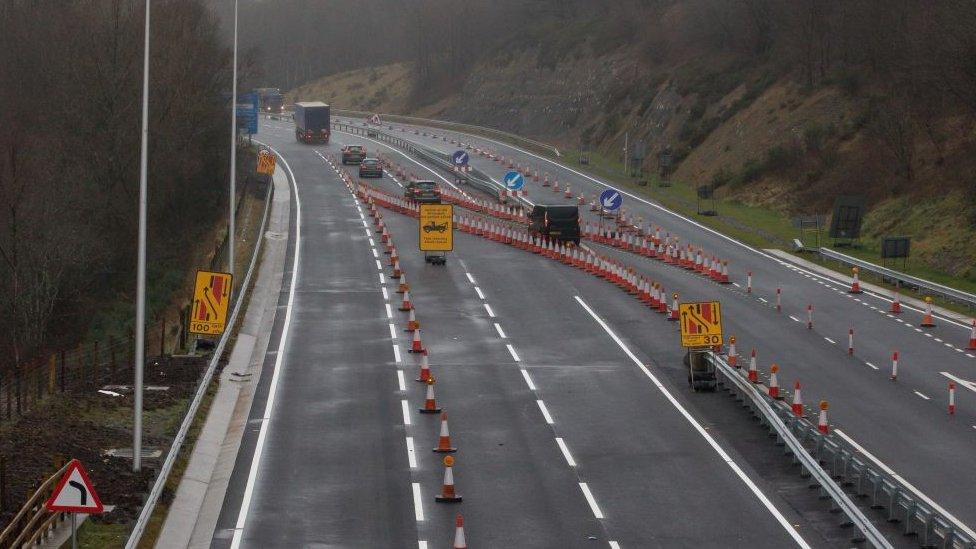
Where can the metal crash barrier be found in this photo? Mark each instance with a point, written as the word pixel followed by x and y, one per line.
pixel 827 457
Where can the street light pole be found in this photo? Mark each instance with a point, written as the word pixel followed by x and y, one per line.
pixel 233 154
pixel 141 269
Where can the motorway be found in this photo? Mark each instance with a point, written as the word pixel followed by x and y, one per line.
pixel 904 425
pixel 570 412
pixel 567 401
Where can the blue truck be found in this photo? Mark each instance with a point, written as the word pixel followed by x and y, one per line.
pixel 313 123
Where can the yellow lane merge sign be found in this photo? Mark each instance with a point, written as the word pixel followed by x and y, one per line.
pixel 266 162
pixel 211 300
pixel 436 227
pixel 701 324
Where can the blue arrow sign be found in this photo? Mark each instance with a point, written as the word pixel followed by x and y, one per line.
pixel 611 199
pixel 514 181
pixel 460 158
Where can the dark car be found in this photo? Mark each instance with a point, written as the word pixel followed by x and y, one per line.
pixel 422 191
pixel 556 221
pixel 353 154
pixel 370 167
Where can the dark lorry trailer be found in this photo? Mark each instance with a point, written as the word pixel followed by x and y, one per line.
pixel 558 222
pixel 313 123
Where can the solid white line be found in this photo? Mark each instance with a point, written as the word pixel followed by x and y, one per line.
pixel 967 384
pixel 701 430
pixel 411 453
pixel 406 411
pixel 389 311
pixel 565 450
pixel 490 312
pixel 393 333
pixel 386 295
pixel 511 350
pixel 528 380
pixel 418 505
pixel 421 544
pixel 279 358
pixel 871 365
pixel 501 333
pixel 545 412
pixel 830 340
pixel 471 278
pixel 921 395
pixel 589 499
pixel 478 291
pixel 918 493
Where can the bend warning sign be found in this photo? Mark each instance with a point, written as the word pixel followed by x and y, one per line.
pixel 701 324
pixel 436 227
pixel 211 300
pixel 74 492
pixel 266 162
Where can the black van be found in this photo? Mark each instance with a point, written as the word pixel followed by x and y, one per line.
pixel 556 221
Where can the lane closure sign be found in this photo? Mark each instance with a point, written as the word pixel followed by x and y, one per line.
pixel 211 301
pixel 701 324
pixel 436 227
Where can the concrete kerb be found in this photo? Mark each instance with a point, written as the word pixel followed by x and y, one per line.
pixel 192 517
pixel 873 288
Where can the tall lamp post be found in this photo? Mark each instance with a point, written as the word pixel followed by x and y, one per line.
pixel 233 154
pixel 140 349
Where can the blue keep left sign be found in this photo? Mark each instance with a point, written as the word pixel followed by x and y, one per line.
pixel 611 199
pixel 514 181
pixel 460 158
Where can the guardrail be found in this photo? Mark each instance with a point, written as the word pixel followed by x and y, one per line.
pixel 474 177
pixel 456 126
pixel 950 294
pixel 827 457
pixel 157 489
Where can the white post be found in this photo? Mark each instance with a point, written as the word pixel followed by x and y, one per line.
pixel 233 153
pixel 141 268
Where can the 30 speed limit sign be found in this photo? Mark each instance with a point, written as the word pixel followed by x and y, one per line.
pixel 701 324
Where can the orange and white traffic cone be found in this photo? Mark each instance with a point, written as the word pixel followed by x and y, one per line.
pixel 416 346
pixel 412 324
pixel 972 338
pixel 448 495
pixel 662 306
pixel 774 382
pixel 403 287
pixel 724 277
pixel 855 282
pixel 393 255
pixel 424 368
pixel 896 303
pixel 405 305
pixel 459 542
pixel 733 359
pixel 674 308
pixel 822 420
pixel 753 371
pixel 430 404
pixel 797 400
pixel 444 441
pixel 927 321
pixel 397 273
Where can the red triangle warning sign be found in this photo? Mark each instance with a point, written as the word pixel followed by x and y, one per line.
pixel 75 492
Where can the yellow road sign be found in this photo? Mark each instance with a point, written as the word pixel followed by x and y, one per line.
pixel 436 227
pixel 266 162
pixel 211 300
pixel 701 324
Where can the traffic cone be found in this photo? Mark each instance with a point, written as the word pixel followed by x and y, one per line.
pixel 662 306
pixel 397 273
pixel 430 405
pixel 416 346
pixel 822 420
pixel 674 308
pixel 424 368
pixel 405 305
pixel 855 282
pixel 896 303
pixel 459 542
pixel 733 359
pixel 927 321
pixel 393 255
pixel 444 441
pixel 797 400
pixel 412 324
pixel 723 278
pixel 403 284
pixel 753 372
pixel 972 338
pixel 774 382
pixel 448 495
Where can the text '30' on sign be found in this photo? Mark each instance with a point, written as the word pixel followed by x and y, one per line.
pixel 701 324
pixel 436 227
pixel 211 301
